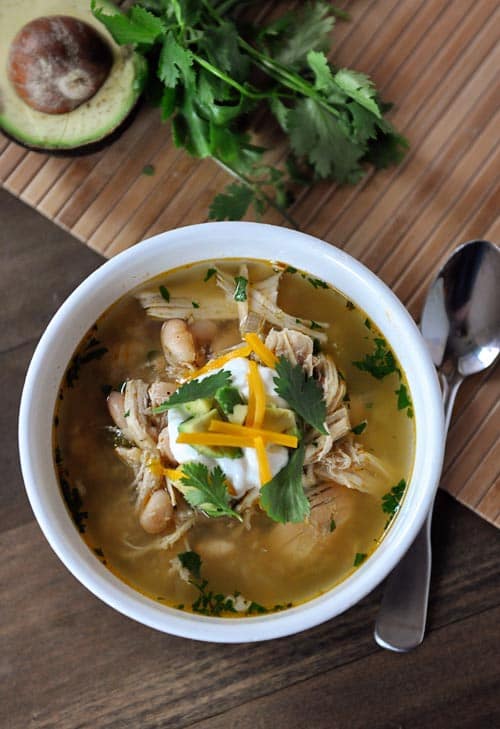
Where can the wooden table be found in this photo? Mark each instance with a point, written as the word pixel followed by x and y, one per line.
pixel 68 661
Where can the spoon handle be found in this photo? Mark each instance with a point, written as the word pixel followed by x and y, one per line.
pixel 400 624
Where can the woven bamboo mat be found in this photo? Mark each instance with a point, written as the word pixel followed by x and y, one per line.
pixel 438 62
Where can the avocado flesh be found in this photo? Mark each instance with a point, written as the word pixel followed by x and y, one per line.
pixel 95 119
pixel 201 424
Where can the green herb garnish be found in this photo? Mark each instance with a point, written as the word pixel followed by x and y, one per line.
pixel 210 68
pixel 148 170
pixel 210 272
pixel 317 283
pixel 206 490
pixel 194 390
pixel 240 292
pixel 404 400
pixel 380 362
pixel 192 562
pixel 290 269
pixel 195 305
pixel 333 526
pixel 303 394
pixel 315 325
pixel 92 351
pixel 165 293
pixel 359 558
pixel 358 429
pixel 392 499
pixel 283 498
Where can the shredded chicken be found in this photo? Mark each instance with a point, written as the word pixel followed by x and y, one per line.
pixel 295 346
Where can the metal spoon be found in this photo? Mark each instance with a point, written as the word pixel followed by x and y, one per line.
pixel 461 327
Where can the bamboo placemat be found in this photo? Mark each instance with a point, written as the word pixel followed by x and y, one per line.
pixel 438 61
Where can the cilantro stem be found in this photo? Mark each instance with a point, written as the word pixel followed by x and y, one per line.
pixel 258 192
pixel 244 90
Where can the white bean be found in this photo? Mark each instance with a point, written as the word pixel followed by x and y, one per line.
pixel 164 446
pixel 157 513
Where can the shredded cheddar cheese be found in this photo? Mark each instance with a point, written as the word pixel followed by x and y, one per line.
pixel 268 436
pixel 265 473
pixel 215 439
pixel 260 349
pixel 219 362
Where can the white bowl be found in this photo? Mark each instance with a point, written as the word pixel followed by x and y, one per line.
pixel 210 242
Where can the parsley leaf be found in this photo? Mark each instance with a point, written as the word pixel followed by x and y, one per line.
pixel 302 393
pixel 195 389
pixel 380 362
pixel 210 272
pixel 358 429
pixel 404 400
pixel 359 558
pixel 283 498
pixel 206 490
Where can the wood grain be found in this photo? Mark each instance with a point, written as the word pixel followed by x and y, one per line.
pixel 438 61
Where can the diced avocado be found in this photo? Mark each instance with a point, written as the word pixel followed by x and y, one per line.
pixel 227 397
pixel 199 407
pixel 201 424
pixel 238 415
pixel 281 420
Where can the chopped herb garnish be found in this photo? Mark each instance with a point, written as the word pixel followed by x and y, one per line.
pixel 195 389
pixel 240 292
pixel 126 414
pixel 317 283
pixel 148 170
pixel 349 305
pixel 210 272
pixel 303 394
pixel 206 490
pixel 165 293
pixel 380 363
pixel 195 305
pixel 91 352
pixel 315 325
pixel 74 502
pixel 192 562
pixel 358 429
pixel 392 499
pixel 333 526
pixel 404 400
pixel 290 269
pixel 359 558
pixel 255 608
pixel 283 498
pixel 368 324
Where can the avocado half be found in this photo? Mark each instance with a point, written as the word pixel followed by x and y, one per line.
pixel 97 118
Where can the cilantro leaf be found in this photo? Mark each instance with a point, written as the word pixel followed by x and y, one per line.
pixel 206 490
pixel 359 558
pixel 403 397
pixel 391 500
pixel 358 429
pixel 359 87
pixel 302 393
pixel 165 293
pixel 283 498
pixel 318 63
pixel 139 26
pixel 195 389
pixel 175 62
pixel 192 562
pixel 231 204
pixel 380 362
pixel 240 292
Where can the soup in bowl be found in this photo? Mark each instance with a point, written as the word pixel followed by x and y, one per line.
pixel 226 445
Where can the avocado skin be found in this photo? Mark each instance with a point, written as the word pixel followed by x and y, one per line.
pixel 83 149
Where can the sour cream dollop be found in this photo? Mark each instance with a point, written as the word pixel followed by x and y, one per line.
pixel 243 473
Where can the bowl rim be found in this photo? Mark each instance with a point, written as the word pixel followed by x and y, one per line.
pixel 306 253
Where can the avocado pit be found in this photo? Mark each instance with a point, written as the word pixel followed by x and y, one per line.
pixel 56 63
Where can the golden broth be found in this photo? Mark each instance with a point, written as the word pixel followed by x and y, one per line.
pixel 272 565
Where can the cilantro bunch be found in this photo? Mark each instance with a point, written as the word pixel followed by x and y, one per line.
pixel 210 71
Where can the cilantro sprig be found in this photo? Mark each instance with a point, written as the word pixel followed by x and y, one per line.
pixel 283 498
pixel 206 490
pixel 303 394
pixel 203 57
pixel 195 389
